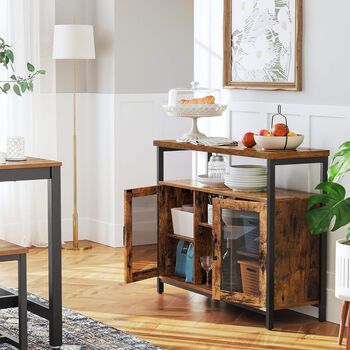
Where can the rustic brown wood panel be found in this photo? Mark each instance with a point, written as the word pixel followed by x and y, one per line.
pixel 241 298
pixel 225 191
pixel 202 236
pixel 129 274
pixel 218 205
pixel 165 227
pixel 180 282
pixel 242 151
pixel 128 236
pixel 172 197
pixel 262 254
pixel 296 256
pixel 216 270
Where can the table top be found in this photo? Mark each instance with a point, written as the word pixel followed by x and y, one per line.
pixel 30 163
pixel 242 151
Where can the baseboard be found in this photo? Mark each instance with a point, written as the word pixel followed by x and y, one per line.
pixel 95 231
pixel 333 308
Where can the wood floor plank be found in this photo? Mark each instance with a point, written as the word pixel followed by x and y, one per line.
pixel 93 285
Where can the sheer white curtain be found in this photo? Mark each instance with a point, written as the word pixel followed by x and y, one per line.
pixel 27 25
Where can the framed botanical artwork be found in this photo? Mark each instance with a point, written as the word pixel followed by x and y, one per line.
pixel 263 44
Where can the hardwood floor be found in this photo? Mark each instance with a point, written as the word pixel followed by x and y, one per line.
pixel 93 285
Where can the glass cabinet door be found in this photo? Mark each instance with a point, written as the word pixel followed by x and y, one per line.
pixel 140 233
pixel 240 250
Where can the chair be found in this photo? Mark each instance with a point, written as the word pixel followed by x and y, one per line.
pixel 12 252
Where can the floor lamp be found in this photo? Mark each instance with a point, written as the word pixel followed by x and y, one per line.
pixel 74 42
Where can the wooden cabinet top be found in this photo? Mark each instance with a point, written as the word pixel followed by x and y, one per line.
pixel 242 151
pixel 30 163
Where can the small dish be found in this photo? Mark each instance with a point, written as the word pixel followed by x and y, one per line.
pixel 211 181
pixel 16 159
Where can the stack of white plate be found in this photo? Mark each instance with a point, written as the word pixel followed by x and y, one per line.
pixel 250 178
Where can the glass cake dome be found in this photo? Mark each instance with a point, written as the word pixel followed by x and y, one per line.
pixel 194 102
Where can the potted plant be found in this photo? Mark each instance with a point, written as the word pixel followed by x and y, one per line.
pixel 330 210
pixel 18 84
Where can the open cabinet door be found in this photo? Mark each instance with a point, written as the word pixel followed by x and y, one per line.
pixel 141 233
pixel 239 264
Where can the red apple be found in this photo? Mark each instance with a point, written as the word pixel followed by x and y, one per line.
pixel 280 130
pixel 248 140
pixel 264 132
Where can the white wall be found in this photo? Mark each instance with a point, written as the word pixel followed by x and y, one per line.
pixel 116 130
pixel 321 111
pixel 115 152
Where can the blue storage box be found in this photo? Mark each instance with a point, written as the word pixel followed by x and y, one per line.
pixel 189 264
pixel 184 260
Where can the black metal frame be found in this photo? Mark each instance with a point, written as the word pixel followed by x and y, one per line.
pixel 271 185
pixel 8 299
pixel 53 313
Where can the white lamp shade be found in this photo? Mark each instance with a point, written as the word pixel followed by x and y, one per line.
pixel 73 41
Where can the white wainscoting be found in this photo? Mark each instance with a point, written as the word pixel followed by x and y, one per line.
pixel 323 126
pixel 115 152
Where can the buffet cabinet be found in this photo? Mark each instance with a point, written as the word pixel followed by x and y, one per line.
pixel 263 256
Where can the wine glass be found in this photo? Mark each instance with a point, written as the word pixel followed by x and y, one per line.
pixel 207 264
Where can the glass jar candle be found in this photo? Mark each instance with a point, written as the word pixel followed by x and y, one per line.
pixel 217 167
pixel 15 148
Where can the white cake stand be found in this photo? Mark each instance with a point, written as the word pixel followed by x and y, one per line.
pixel 194 112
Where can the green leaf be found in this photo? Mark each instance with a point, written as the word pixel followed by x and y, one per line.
pixel 340 163
pixel 331 204
pixel 30 67
pixel 13 77
pixel 6 87
pixel 16 90
pixel 30 85
pixel 348 234
pixel 42 71
pixel 10 55
pixel 23 85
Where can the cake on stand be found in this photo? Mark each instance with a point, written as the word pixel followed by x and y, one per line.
pixel 194 103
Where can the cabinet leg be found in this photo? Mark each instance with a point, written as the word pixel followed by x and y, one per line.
pixel 269 320
pixel 160 286
pixel 344 314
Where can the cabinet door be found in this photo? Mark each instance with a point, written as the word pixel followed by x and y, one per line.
pixel 239 252
pixel 140 233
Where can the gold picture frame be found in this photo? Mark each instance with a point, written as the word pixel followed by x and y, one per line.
pixel 295 68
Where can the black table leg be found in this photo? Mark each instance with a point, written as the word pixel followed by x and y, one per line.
pixel 160 177
pixel 323 257
pixel 55 263
pixel 22 302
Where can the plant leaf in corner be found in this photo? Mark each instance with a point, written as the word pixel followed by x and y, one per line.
pixel 340 163
pixel 16 90
pixel 334 204
pixel 30 67
pixel 6 87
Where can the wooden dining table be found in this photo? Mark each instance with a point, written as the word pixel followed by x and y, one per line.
pixel 42 169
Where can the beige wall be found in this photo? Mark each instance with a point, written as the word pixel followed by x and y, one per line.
pixel 141 46
pixel 154 45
